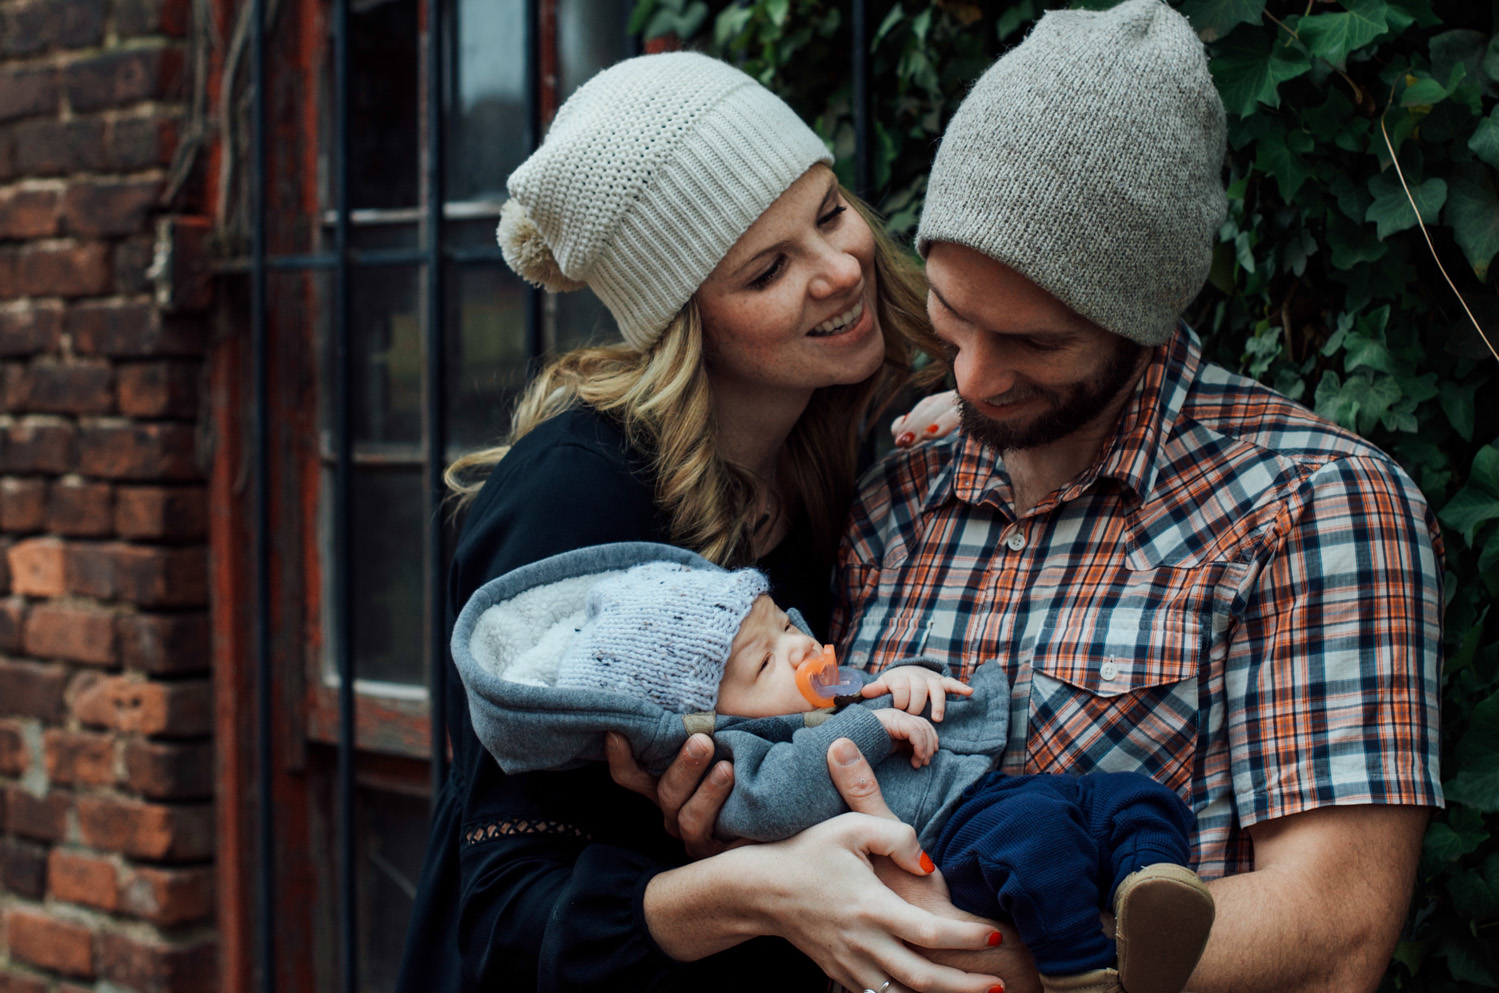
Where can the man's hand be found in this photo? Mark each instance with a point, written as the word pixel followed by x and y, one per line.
pixel 689 801
pixel 916 732
pixel 911 686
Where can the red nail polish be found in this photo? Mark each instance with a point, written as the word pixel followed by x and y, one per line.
pixel 927 864
pixel 931 429
pixel 997 988
pixel 905 439
pixel 995 939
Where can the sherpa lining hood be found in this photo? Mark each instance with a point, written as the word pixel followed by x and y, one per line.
pixel 508 642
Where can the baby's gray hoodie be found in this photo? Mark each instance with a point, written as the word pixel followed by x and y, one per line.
pixel 510 637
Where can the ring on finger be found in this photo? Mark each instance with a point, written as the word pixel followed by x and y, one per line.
pixel 882 988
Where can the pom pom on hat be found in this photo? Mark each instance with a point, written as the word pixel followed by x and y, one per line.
pixel 661 631
pixel 526 251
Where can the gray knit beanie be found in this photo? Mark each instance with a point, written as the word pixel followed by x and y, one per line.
pixel 1089 159
pixel 649 174
pixel 661 631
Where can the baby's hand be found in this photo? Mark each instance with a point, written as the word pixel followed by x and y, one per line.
pixel 912 685
pixel 917 732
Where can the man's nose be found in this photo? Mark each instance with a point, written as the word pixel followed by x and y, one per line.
pixel 980 372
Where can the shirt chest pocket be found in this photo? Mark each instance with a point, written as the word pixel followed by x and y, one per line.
pixel 1117 690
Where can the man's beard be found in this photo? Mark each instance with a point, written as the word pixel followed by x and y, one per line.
pixel 1068 409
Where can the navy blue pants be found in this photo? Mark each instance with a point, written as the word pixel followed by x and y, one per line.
pixel 1048 852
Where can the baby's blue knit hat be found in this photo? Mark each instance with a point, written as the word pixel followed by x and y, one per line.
pixel 661 631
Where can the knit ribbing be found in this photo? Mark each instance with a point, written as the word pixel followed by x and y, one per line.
pixel 1089 159
pixel 651 172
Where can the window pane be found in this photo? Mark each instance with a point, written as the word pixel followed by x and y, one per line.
pixel 590 36
pixel 487 121
pixel 385 93
pixel 392 836
pixel 582 319
pixel 385 574
pixel 486 333
pixel 386 340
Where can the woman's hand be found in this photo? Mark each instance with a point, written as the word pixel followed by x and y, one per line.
pixel 689 801
pixel 1007 957
pixel 933 417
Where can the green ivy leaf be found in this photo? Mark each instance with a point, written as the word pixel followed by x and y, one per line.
pixel 1473 215
pixel 1457 403
pixel 1333 36
pixel 1278 153
pixel 1015 17
pixel 1462 832
pixel 1476 784
pixel 1478 500
pixel 1391 210
pixel 1249 67
pixel 1352 244
pixel 1469 960
pixel 1477 893
pixel 896 15
pixel 1485 140
pixel 1214 19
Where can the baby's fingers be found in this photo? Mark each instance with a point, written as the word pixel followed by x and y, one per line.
pixel 957 686
pixel 874 689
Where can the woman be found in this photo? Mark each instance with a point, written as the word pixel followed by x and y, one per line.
pixel 763 321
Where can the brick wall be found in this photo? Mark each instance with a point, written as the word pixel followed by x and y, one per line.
pixel 106 763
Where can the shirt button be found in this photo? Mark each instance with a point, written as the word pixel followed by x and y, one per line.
pixel 1016 540
pixel 1108 670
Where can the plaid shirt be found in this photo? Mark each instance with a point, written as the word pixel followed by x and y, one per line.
pixel 1238 598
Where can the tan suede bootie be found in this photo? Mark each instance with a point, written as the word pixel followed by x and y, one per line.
pixel 1162 916
pixel 1093 981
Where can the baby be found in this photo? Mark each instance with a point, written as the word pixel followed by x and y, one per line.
pixel 1047 851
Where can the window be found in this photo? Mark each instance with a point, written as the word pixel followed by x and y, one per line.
pixel 392 338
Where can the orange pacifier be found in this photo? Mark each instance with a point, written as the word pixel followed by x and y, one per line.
pixel 820 680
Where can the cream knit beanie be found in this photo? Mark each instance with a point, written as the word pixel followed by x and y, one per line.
pixel 649 174
pixel 1089 159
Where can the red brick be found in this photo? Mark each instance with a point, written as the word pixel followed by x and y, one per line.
pixel 134 704
pixel 8 636
pixel 47 147
pixel 29 689
pixel 132 258
pixel 49 943
pixel 75 632
pixel 43 818
pixel 38 567
pixel 159 389
pixel 40 445
pixel 130 330
pixel 28 213
pixel 15 982
pixel 82 877
pixel 109 207
pixel 89 568
pixel 168 897
pixel 138 451
pixel 151 17
pixel 9 266
pixel 29 329
pixel 22 504
pixel 161 512
pixel 40 25
pixel 155 577
pixel 80 386
pixel 12 619
pixel 28 92
pixel 119 78
pixel 135 143
pixel 168 771
pixel 164 644
pixel 78 758
pixel 13 754
pixel 161 832
pixel 23 869
pixel 158 967
pixel 64 270
pixel 79 508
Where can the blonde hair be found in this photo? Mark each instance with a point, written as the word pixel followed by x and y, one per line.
pixel 663 401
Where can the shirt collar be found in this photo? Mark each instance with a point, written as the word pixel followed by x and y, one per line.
pixel 977 476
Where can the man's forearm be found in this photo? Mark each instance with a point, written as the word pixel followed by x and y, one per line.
pixel 1322 910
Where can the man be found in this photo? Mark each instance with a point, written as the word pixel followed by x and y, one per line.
pixel 1184 573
